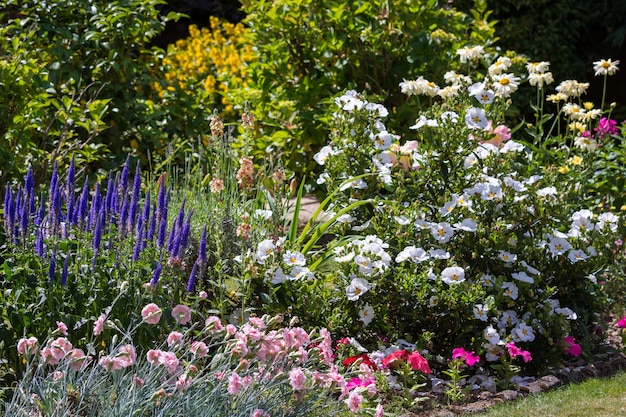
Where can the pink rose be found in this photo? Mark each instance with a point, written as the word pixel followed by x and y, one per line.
pixel 151 313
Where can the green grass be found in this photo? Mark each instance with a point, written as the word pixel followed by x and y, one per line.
pixel 593 398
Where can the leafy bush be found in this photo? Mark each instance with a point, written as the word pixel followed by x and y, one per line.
pixel 468 239
pixel 78 78
pixel 311 50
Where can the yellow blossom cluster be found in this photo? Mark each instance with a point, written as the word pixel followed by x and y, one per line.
pixel 216 60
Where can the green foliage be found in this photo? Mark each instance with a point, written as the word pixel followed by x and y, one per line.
pixel 77 77
pixel 314 49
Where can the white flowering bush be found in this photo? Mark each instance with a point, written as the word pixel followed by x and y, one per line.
pixel 472 239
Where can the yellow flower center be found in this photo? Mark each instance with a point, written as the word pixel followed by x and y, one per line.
pixel 504 81
pixel 605 65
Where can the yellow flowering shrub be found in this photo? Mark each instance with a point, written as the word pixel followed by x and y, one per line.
pixel 212 60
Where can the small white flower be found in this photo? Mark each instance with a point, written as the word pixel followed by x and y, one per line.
pixel 523 333
pixel 365 264
pixel 558 246
pixel 476 118
pixel 357 287
pixel 413 254
pixel 358 184
pixel 507 256
pixel 449 117
pixel 278 276
pixel 491 335
pixel 470 53
pixel 265 249
pixel 547 192
pixel 510 290
pixel 522 276
pixel 487 280
pixel 605 67
pixel 439 254
pixel 505 84
pixel 442 232
pixel 366 314
pixel 576 255
pixel 424 121
pixel 453 275
pixel 293 258
pixel 402 220
pixel 346 218
pixel 263 214
pixel 480 312
pixel 507 319
pixel 467 225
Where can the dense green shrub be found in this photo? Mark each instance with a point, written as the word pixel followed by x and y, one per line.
pixel 311 50
pixel 78 77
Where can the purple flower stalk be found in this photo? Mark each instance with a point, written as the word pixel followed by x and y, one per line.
pixel 124 215
pixel 24 218
pixel 41 213
pixel 110 193
pixel 157 274
pixel 172 239
pixel 191 283
pixel 83 203
pixel 29 186
pixel 138 244
pixel 39 244
pixel 181 215
pixel 69 185
pixel 152 229
pixel 54 180
pixel 96 202
pixel 202 251
pixel 53 264
pixel 8 203
pixel 145 215
pixel 134 200
pixel 65 271
pixel 123 184
pixel 184 235
pixel 162 228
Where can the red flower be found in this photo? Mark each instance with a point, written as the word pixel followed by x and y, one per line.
pixel 571 347
pixel 362 358
pixel 398 355
pixel 418 363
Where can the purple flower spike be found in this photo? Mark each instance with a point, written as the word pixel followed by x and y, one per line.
pixel 8 202
pixel 53 264
pixel 172 238
pixel 157 274
pixel 39 244
pixel 191 283
pixel 83 203
pixel 184 235
pixel 134 200
pixel 138 244
pixel 110 192
pixel 69 185
pixel 24 218
pixel 29 186
pixel 202 251
pixel 145 215
pixel 123 184
pixel 152 229
pixel 54 180
pixel 181 215
pixel 64 272
pixel 124 216
pixel 96 202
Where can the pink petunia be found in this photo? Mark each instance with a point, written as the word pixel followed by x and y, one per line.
pixel 571 347
pixel 469 357
pixel 182 314
pixel 622 323
pixel 151 313
pixel 419 363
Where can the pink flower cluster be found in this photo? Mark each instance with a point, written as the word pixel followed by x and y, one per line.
pixel 621 324
pixel 124 358
pixel 605 128
pixel 571 347
pixel 514 351
pixel 469 357
pixel 417 361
